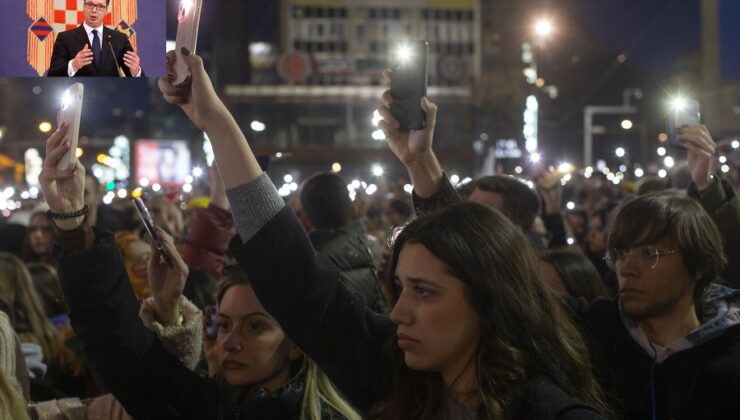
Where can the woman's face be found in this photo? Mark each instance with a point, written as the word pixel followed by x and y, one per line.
pixel 40 234
pixel 253 348
pixel 438 329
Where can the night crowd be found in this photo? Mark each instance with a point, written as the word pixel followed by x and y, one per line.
pixel 506 297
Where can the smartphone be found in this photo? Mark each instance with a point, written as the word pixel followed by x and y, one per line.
pixel 70 113
pixel 188 19
pixel 409 84
pixel 146 218
pixel 688 113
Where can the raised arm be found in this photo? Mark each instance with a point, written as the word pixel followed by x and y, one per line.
pixel 432 189
pixel 201 104
pixel 300 289
pixel 132 363
pixel 714 194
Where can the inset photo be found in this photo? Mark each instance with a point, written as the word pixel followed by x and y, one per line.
pixel 83 38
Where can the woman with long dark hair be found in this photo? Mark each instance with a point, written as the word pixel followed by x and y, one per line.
pixel 474 332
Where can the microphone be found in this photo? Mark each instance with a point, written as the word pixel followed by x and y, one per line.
pixel 113 53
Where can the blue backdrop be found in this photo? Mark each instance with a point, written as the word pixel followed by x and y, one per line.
pixel 149 26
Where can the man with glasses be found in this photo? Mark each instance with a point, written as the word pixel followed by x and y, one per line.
pixel 92 49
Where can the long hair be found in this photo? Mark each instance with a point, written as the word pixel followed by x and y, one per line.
pixel 319 393
pixel 26 251
pixel 17 289
pixel 524 332
pixel 12 404
pixel 46 280
pixel 579 275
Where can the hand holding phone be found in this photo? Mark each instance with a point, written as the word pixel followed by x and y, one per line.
pixel 70 114
pixel 409 84
pixel 146 218
pixel 188 19
pixel 684 112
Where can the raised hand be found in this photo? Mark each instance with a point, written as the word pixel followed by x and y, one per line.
pixel 701 150
pixel 407 145
pixel 413 147
pixel 64 191
pixel 83 58
pixel 196 96
pixel 165 282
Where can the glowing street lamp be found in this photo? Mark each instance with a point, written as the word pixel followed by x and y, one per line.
pixel 620 152
pixel 543 28
pixel 377 170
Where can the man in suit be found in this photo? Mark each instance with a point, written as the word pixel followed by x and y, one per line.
pixel 86 50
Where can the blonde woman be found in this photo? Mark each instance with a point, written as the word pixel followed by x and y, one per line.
pixel 18 291
pixel 12 403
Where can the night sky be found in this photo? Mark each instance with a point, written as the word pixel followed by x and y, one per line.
pixel 655 33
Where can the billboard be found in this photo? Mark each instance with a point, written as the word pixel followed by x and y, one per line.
pixel 166 162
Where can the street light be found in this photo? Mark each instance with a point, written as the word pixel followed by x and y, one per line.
pixel 257 126
pixel 45 127
pixel 377 170
pixel 543 28
pixel 619 152
pixel 626 124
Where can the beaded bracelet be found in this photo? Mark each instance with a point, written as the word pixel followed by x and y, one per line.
pixel 72 215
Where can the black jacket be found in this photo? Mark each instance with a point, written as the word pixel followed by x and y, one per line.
pixel 697 383
pixel 349 251
pixel 332 324
pixel 69 43
pixel 150 382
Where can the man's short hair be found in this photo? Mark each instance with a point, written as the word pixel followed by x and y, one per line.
pixel 521 204
pixel 325 201
pixel 401 207
pixel 682 220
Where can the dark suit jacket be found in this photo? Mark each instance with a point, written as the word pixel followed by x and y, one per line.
pixel 69 43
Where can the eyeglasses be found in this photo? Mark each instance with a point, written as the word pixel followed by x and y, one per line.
pixel 647 254
pixel 98 7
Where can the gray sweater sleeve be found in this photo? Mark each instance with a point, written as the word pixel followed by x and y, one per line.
pixel 253 205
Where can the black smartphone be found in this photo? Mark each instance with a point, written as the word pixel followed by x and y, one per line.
pixel 683 112
pixel 409 84
pixel 146 218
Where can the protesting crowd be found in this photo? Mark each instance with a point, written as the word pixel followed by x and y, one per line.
pixel 506 297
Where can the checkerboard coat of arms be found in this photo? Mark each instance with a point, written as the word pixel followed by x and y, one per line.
pixel 51 17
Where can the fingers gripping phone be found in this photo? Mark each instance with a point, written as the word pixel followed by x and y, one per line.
pixel 409 84
pixel 188 19
pixel 146 218
pixel 70 113
pixel 683 112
